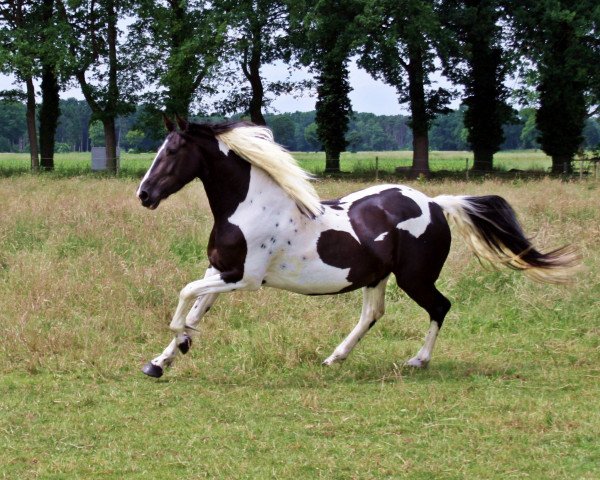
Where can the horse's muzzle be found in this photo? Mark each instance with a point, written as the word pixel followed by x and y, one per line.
pixel 147 200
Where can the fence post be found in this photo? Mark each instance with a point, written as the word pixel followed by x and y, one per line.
pixel 467 168
pixel 376 168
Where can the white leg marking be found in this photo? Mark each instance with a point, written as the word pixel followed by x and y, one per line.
pixel 373 309
pixel 424 355
pixel 180 321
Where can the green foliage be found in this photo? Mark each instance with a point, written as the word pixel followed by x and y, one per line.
pixel 529 134
pixel 478 60
pixel 96 133
pixel 62 147
pixel 560 37
pixel 330 32
pixel 12 123
pixel 134 138
pixel 177 46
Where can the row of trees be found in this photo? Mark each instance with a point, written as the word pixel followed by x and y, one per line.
pixel 170 55
pixel 297 131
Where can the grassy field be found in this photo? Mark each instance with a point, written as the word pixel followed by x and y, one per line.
pixel 360 163
pixel 88 283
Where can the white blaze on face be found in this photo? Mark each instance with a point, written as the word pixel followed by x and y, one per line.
pixel 162 147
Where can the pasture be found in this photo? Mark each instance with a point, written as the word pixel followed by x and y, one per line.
pixel 88 283
pixel 360 163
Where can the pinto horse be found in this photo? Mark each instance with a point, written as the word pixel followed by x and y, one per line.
pixel 270 229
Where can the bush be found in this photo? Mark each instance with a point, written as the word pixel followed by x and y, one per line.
pixel 4 144
pixel 62 147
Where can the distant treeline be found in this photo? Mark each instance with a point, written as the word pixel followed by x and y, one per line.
pixel 297 131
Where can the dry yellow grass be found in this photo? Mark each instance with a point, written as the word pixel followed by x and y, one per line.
pixel 86 273
pixel 88 283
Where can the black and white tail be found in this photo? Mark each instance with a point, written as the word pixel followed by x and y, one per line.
pixel 490 227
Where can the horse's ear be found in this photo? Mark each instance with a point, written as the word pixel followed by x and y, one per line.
pixel 169 125
pixel 183 124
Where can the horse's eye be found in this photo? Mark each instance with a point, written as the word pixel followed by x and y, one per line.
pixel 171 151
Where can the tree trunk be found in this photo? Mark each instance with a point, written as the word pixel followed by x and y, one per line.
pixel 420 164
pixel 110 139
pixel 110 112
pixel 418 108
pixel 31 126
pixel 251 69
pixel 483 160
pixel 332 162
pixel 50 108
pixel 49 113
pixel 561 164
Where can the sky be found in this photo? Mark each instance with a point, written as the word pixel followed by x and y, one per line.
pixel 368 95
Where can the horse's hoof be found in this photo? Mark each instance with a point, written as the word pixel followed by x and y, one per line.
pixel 331 360
pixel 152 370
pixel 184 346
pixel 416 362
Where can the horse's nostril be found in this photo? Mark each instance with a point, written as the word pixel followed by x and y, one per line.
pixel 143 195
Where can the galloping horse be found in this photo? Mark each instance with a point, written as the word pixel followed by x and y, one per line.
pixel 270 229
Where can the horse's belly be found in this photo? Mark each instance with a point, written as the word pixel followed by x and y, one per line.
pixel 309 276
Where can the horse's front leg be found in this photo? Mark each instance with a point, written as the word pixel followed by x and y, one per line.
pixel 195 300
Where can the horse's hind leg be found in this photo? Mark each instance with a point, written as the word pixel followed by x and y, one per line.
pixel 437 306
pixel 372 310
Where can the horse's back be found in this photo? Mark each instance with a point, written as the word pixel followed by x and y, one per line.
pixel 391 228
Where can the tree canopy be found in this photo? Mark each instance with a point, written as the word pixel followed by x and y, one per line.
pixel 134 59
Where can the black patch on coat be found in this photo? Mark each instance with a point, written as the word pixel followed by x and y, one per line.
pixel 226 186
pixel 370 261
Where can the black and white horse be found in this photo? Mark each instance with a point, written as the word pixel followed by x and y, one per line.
pixel 270 229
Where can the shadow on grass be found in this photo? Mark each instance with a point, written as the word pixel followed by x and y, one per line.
pixel 445 372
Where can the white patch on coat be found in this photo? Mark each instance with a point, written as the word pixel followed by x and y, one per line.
pixel 279 235
pixel 162 147
pixel 224 148
pixel 381 237
pixel 416 226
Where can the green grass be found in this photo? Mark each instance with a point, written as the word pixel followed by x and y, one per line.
pixel 89 281
pixel 359 163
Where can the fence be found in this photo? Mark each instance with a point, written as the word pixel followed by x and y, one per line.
pixel 582 168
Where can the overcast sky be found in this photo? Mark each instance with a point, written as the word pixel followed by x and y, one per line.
pixel 367 95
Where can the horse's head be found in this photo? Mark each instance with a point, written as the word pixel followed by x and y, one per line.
pixel 178 161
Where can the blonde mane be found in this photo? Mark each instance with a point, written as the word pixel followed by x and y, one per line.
pixel 256 145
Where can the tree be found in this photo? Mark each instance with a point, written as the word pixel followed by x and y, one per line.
pixel 398 44
pixel 311 137
pixel 560 38
pixel 17 55
pixel 477 60
pixel 50 59
pixel 93 43
pixel 73 123
pixel 258 35
pixel 329 27
pixel 12 123
pixel 529 134
pixel 177 46
pixel 134 138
